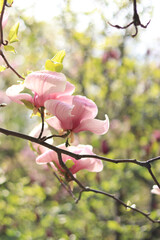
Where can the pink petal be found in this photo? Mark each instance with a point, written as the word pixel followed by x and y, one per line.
pixel 68 90
pixel 55 123
pixel 62 111
pixel 14 94
pixel 35 133
pixel 45 83
pixel 84 108
pixel 96 126
pixel 66 99
pixel 46 157
pixel 90 164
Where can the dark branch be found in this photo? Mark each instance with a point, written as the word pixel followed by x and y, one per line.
pixel 136 21
pixel 41 111
pixel 87 189
pixel 69 176
pixel 56 136
pixel 9 66
pixel 1 28
pixel 62 183
pixel 59 151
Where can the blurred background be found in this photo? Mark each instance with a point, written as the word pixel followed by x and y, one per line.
pixel 122 75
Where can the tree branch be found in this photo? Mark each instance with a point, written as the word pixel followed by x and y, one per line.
pixel 88 189
pixel 9 66
pixel 136 21
pixel 69 176
pixel 1 28
pixel 41 111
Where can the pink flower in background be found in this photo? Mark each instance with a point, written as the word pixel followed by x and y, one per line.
pixel 155 190
pixel 90 164
pixel 44 85
pixel 35 133
pixel 78 116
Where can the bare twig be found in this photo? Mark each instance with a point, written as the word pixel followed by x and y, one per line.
pixel 41 111
pixel 62 183
pixel 88 189
pixel 136 21
pixel 70 177
pixel 9 66
pixel 145 164
pixel 1 28
pixel 56 136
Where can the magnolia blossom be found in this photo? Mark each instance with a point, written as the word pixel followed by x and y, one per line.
pixel 35 133
pixel 76 117
pixel 155 190
pixel 90 164
pixel 45 85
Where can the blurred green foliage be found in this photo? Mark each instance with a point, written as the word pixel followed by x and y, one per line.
pixel 33 205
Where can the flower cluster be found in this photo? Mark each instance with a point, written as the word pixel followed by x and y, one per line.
pixel 68 113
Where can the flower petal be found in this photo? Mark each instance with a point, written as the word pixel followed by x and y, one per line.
pixel 35 133
pixel 55 123
pixel 84 108
pixel 46 157
pixel 62 111
pixel 96 126
pixel 90 164
pixel 14 94
pixel 45 83
pixel 68 90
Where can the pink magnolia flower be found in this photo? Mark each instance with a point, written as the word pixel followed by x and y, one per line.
pixel 90 164
pixel 155 190
pixel 44 85
pixel 78 116
pixel 35 133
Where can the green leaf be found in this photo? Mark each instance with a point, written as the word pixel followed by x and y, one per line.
pixel 28 104
pixel 2 68
pixel 69 163
pixel 59 56
pixel 55 64
pixel 13 33
pixel 9 48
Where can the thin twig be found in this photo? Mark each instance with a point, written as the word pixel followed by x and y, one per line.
pixel 87 189
pixel 69 175
pixel 145 164
pixel 1 28
pixel 9 66
pixel 56 136
pixel 62 183
pixel 41 111
pixel 136 21
pixel 153 177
